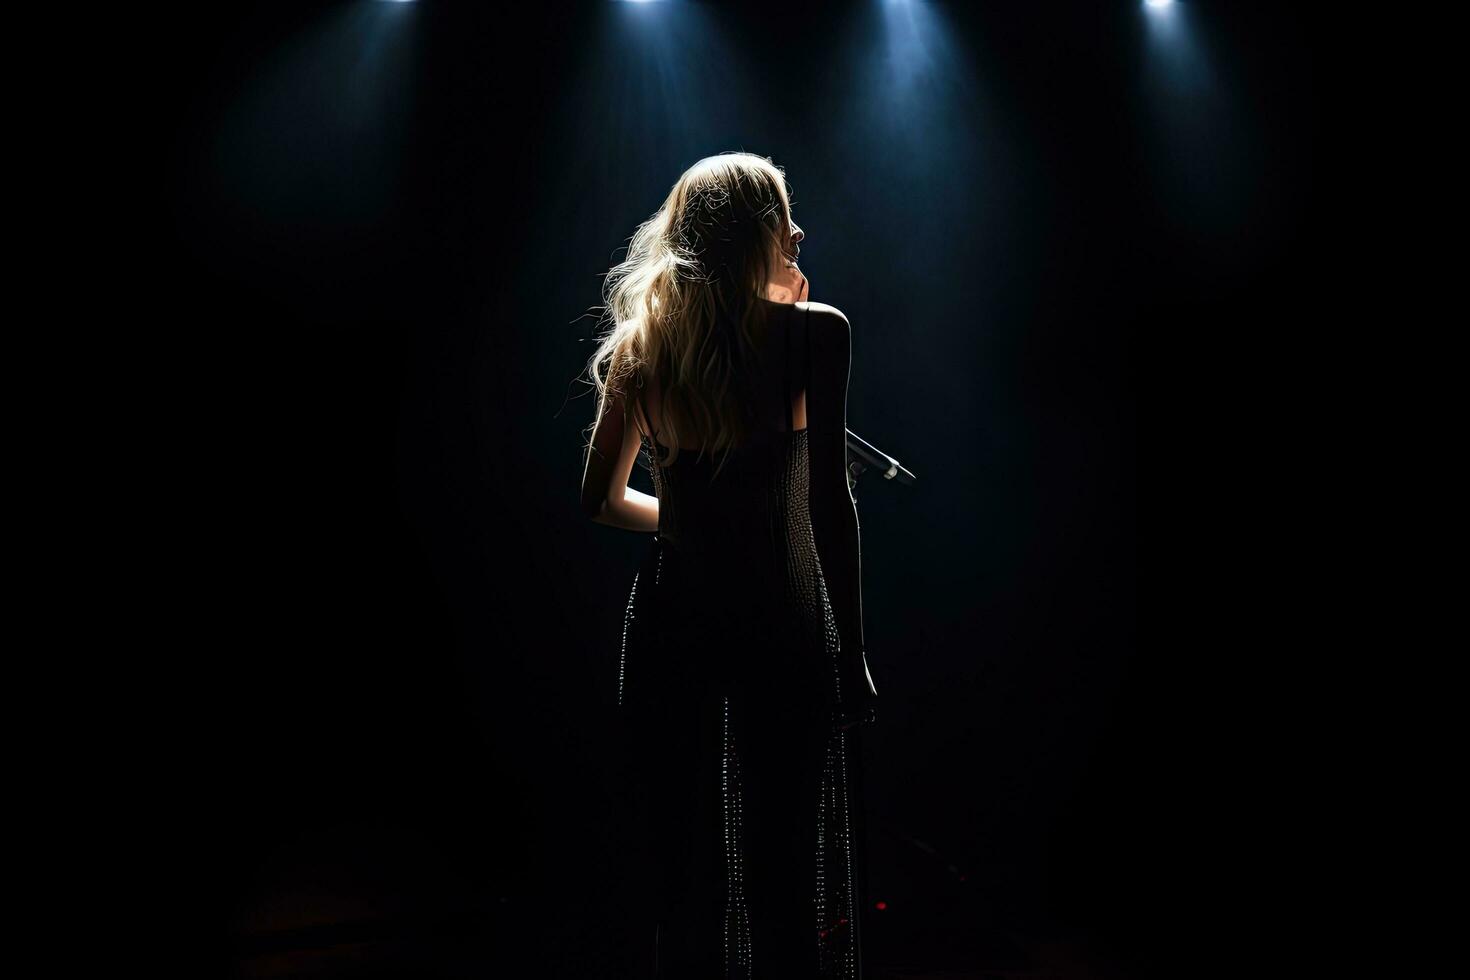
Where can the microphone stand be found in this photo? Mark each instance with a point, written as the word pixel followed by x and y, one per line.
pixel 862 457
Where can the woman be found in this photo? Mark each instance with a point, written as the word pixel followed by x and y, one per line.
pixel 743 673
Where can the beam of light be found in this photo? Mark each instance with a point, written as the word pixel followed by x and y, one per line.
pixel 913 109
pixel 919 85
pixel 652 92
pixel 1159 4
pixel 1199 145
pixel 912 116
pixel 309 146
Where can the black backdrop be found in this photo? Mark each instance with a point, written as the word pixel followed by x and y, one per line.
pixel 383 226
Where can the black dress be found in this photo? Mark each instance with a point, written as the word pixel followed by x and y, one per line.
pixel 745 789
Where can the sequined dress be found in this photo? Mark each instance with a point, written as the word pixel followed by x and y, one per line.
pixel 746 790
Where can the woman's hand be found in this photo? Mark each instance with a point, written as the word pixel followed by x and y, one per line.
pixel 790 284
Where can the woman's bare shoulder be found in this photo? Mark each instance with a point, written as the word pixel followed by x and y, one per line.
pixel 825 312
pixel 830 339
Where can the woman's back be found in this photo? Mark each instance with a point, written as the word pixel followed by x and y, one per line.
pixel 739 534
pixel 781 366
pixel 724 506
pixel 730 672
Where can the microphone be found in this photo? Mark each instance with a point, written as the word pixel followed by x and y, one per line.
pixel 863 456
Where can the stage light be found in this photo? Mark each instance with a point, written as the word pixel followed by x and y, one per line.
pixel 1158 3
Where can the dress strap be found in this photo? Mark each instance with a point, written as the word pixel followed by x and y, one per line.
pixel 652 435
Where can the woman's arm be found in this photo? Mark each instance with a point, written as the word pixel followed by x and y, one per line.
pixel 637 511
pixel 606 496
pixel 833 509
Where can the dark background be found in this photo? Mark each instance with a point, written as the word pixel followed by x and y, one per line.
pixel 385 228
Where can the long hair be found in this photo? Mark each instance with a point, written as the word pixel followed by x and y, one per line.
pixel 683 302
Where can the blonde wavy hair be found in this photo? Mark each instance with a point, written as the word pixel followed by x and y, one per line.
pixel 683 302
